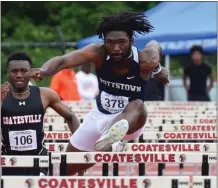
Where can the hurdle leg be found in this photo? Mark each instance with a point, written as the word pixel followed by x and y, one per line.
pixel 105 169
pixel 205 166
pixel 161 166
pixel 141 165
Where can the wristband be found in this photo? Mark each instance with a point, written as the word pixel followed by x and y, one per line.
pixel 157 70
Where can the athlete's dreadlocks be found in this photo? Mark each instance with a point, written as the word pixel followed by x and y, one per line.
pixel 128 21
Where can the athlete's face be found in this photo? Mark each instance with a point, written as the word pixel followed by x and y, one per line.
pixel 117 45
pixel 19 74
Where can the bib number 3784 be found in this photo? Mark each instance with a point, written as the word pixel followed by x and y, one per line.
pixel 113 104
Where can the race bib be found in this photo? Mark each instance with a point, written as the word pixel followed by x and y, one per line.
pixel 23 140
pixel 113 104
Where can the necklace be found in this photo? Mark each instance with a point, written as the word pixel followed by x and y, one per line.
pixel 28 89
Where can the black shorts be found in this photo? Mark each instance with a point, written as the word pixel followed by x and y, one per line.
pixel 8 171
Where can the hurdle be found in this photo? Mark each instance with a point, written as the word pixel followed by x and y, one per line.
pixel 179 135
pixel 160 135
pixel 97 182
pixel 58 124
pixel 108 157
pixel 25 161
pixel 150 147
pixel 147 147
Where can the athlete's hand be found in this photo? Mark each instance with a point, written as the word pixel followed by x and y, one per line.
pixel 37 73
pixel 162 76
pixel 4 90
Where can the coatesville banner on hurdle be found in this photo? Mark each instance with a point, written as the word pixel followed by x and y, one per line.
pixel 94 182
pixel 180 135
pixel 130 157
pixel 151 147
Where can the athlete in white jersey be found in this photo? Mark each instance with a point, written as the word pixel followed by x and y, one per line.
pixel 122 73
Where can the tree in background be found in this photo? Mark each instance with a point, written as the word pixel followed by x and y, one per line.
pixel 37 22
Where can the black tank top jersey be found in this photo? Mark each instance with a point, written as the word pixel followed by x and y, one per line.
pixel 23 120
pixel 116 91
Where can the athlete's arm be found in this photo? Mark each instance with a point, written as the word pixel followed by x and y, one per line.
pixel 149 60
pixel 151 63
pixel 56 104
pixel 73 59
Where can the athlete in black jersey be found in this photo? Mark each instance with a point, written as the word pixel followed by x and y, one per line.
pixel 22 113
pixel 122 72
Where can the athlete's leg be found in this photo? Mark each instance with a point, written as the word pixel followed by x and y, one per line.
pixel 133 117
pixel 85 137
pixel 135 113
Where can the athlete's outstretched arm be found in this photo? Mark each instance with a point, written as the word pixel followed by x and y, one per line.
pixel 56 104
pixel 154 44
pixel 153 54
pixel 73 59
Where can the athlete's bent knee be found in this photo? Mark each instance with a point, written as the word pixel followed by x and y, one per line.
pixel 139 106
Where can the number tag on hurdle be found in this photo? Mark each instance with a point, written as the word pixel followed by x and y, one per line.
pixel 23 140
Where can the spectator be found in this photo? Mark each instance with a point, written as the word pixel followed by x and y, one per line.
pixel 197 72
pixel 87 82
pixel 65 85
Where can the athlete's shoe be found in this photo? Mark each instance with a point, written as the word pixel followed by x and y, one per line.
pixel 114 134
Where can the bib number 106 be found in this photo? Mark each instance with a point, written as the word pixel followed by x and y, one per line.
pixel 114 103
pixel 23 140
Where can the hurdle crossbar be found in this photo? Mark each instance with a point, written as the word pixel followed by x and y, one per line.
pixel 147 135
pixel 130 157
pixel 148 127
pixel 97 182
pixel 150 147
pixel 181 127
pixel 108 157
pixel 179 135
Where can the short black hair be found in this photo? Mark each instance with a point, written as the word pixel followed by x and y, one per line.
pixel 19 56
pixel 128 21
pixel 196 48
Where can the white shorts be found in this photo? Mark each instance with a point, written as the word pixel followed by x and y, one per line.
pixel 93 126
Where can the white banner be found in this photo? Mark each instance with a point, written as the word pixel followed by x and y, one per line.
pixel 177 120
pixel 150 147
pixel 152 124
pixel 56 147
pixel 106 157
pixel 95 182
pixel 179 135
pixel 58 135
pixel 130 157
pixel 147 135
pixel 23 161
pixel 171 147
pixel 181 127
